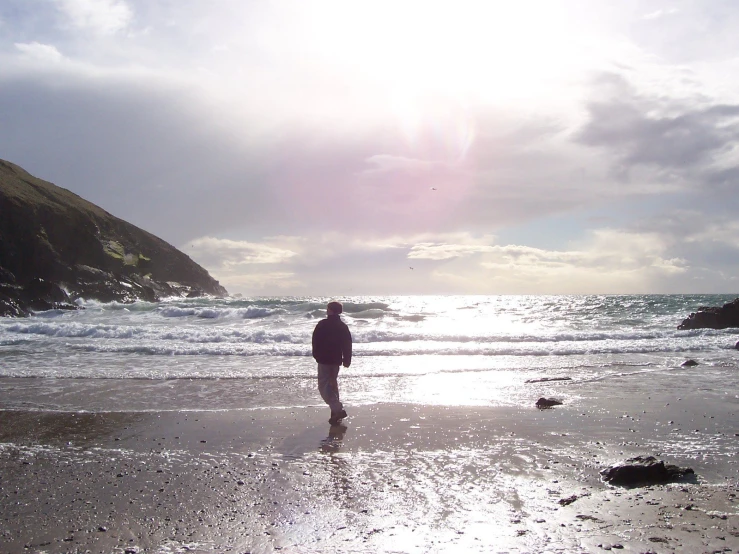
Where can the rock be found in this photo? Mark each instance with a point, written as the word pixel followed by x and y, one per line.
pixel 9 304
pixel 56 247
pixel 6 276
pixel 569 500
pixel 546 379
pixel 689 363
pixel 711 317
pixel 547 402
pixel 643 471
pixel 737 345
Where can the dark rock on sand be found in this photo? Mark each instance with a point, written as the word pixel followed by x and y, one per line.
pixel 689 363
pixel 547 402
pixel 713 317
pixel 643 471
pixel 56 247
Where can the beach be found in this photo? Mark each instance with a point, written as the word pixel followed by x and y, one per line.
pixel 392 478
pixel 196 426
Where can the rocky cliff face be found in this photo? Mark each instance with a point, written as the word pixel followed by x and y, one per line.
pixel 56 247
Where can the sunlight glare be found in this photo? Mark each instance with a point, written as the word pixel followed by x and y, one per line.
pixel 465 50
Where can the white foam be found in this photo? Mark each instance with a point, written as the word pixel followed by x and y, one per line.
pixel 73 329
pixel 120 339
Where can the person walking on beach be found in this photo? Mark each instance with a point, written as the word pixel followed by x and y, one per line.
pixel 332 348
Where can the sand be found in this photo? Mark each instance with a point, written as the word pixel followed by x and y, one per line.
pixel 393 478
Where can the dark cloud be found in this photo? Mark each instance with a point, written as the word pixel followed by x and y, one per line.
pixel 149 154
pixel 154 154
pixel 659 132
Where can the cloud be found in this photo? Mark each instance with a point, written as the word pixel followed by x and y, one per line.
pixel 385 163
pixel 234 253
pixel 680 139
pixel 289 149
pixel 659 14
pixel 259 282
pixel 245 266
pixel 449 246
pixel 38 51
pixel 610 260
pixel 98 16
pixel 431 251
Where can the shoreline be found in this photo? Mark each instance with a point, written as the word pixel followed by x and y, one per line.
pixel 393 478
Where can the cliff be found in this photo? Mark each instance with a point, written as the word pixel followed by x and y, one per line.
pixel 56 247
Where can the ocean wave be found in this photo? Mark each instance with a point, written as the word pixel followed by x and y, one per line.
pixel 371 313
pixel 358 307
pixel 366 334
pixel 73 329
pixel 139 306
pixel 258 336
pixel 385 335
pixel 153 333
pixel 250 312
pixel 413 317
pixel 289 350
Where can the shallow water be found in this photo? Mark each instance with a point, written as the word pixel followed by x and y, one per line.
pixel 212 354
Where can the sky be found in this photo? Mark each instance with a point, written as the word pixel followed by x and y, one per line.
pixel 340 147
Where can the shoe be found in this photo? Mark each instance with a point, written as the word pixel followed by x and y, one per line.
pixel 335 418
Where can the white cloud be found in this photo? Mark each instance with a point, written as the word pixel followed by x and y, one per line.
pixel 441 251
pixel 607 260
pixel 610 261
pixel 233 253
pixel 719 232
pixel 38 51
pixel 243 265
pixel 288 126
pixel 99 16
pixel 659 14
pixel 384 163
pixel 257 282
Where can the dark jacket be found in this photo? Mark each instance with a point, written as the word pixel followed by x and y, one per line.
pixel 332 342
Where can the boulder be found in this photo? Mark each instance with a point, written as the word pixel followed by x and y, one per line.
pixel 689 363
pixel 713 317
pixel 547 402
pixel 56 247
pixel 643 471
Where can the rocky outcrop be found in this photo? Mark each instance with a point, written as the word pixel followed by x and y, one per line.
pixel 544 403
pixel 56 247
pixel 643 471
pixel 713 317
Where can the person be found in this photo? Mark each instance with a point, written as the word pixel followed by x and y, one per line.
pixel 332 348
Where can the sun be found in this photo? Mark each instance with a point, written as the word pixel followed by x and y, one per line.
pixel 467 50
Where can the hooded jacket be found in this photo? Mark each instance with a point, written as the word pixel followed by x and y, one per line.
pixel 332 342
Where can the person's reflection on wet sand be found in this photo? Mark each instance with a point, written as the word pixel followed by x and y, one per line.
pixel 338 465
pixel 332 443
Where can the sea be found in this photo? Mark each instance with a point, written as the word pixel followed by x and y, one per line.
pixel 255 353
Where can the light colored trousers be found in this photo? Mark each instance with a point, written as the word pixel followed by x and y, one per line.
pixel 329 387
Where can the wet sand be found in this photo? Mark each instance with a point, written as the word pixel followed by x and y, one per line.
pixel 393 478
